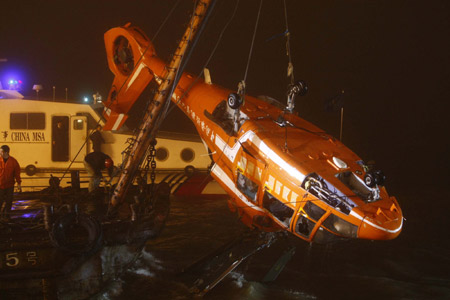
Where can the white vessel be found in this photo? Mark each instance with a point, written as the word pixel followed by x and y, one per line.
pixel 46 137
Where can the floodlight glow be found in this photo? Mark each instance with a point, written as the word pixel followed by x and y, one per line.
pixel 86 99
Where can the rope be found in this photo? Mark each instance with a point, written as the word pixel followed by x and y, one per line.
pixel 210 57
pixel 184 62
pixel 251 47
pixel 208 61
pixel 137 63
pixel 156 34
pixel 290 72
pixel 215 48
pixel 164 22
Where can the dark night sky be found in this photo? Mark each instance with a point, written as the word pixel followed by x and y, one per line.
pixel 390 57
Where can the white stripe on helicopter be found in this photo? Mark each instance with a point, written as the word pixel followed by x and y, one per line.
pixel 374 225
pixel 118 121
pixel 136 74
pixel 222 176
pixel 231 152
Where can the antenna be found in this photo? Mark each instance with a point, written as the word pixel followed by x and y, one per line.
pixel 2 60
pixel 342 123
pixel 285 137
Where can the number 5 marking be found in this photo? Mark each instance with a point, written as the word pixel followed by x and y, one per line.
pixel 12 260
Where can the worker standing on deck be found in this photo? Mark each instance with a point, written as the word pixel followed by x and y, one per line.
pixel 97 139
pixel 9 174
pixel 95 162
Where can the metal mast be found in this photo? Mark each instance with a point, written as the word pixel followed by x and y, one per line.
pixel 144 136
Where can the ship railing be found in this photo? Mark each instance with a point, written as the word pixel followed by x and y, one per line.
pixel 37 183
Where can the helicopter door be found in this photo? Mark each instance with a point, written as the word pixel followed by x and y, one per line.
pixel 60 138
pixel 277 208
pixel 78 133
pixel 249 173
pixel 307 219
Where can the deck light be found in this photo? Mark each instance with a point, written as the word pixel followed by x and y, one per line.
pixel 37 88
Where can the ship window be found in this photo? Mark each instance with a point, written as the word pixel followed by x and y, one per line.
pixel 27 121
pixel 91 122
pixel 304 226
pixel 187 155
pixel 162 154
pixel 78 124
pixel 36 121
pixel 18 121
pixel 280 210
pixel 246 186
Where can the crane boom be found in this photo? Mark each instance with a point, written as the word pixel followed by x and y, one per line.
pixel 146 131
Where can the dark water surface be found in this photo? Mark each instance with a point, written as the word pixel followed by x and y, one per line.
pixel 414 266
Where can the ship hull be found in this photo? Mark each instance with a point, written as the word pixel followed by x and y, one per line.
pixel 73 251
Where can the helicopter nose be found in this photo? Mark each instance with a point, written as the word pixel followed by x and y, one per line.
pixel 369 230
pixel 385 224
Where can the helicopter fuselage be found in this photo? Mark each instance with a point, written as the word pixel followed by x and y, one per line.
pixel 280 171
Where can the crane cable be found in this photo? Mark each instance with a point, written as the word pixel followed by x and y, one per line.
pixel 123 84
pixel 162 24
pixel 290 75
pixel 241 85
pixel 209 58
pixel 290 70
pixel 136 130
pixel 160 118
pixel 149 45
pixel 183 64
pixel 167 109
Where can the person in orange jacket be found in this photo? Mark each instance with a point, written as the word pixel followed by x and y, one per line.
pixel 9 174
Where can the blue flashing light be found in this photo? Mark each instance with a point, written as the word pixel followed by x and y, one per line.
pixel 14 84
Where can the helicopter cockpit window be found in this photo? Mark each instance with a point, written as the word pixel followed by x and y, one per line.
pixel 222 117
pixel 246 186
pixel 358 187
pixel 272 101
pixel 304 226
pixel 324 191
pixel 340 226
pixel 280 210
pixel 313 211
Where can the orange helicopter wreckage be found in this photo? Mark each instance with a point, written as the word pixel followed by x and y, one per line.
pixel 281 172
